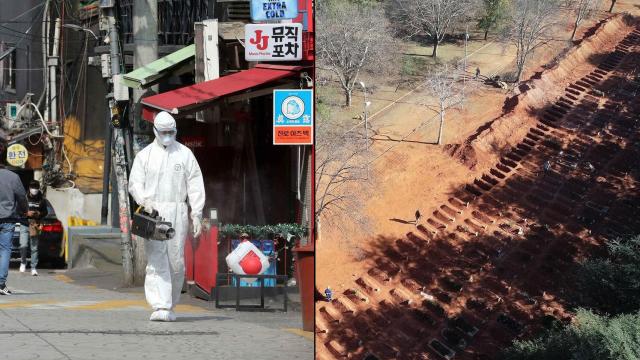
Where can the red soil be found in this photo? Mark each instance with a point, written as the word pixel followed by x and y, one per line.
pixel 504 233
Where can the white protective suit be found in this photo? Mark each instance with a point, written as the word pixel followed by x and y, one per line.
pixel 163 178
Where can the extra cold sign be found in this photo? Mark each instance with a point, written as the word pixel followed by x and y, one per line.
pixel 263 10
pixel 293 117
pixel 273 42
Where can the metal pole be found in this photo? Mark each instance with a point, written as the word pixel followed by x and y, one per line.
pixel 114 37
pixel 366 130
pixel 298 173
pixel 128 138
pixel 366 124
pixel 53 62
pixel 45 53
pixel 106 171
pixel 464 73
pixel 145 50
pixel 466 38
pixel 119 155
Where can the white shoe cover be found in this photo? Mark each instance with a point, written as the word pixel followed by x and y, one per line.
pixel 161 315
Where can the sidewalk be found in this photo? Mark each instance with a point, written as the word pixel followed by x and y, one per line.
pixel 53 317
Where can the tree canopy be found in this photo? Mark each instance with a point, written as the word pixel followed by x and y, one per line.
pixel 612 284
pixel 493 16
pixel 589 337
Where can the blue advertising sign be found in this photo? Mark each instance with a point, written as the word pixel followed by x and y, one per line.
pixel 263 10
pixel 293 107
pixel 293 117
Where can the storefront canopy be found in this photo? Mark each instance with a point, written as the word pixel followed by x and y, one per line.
pixel 151 73
pixel 195 97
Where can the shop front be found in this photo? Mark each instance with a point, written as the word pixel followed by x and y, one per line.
pixel 254 186
pixel 249 122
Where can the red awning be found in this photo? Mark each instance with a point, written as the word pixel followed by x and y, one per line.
pixel 194 97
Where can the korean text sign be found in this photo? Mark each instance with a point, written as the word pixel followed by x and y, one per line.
pixel 293 117
pixel 267 10
pixel 273 42
pixel 17 155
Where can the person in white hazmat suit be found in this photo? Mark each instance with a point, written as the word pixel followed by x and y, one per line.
pixel 164 175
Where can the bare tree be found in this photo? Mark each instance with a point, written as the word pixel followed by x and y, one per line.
pixel 530 25
pixel 443 84
pixel 431 18
pixel 354 38
pixel 583 10
pixel 341 161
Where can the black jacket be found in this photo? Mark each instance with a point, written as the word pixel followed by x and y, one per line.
pixel 38 204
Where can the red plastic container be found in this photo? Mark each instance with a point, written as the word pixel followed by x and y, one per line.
pixel 201 261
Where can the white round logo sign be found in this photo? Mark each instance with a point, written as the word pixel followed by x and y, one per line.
pixel 292 107
pixel 17 155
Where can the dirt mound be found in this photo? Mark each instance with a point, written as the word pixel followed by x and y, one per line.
pixel 463 153
pixel 484 148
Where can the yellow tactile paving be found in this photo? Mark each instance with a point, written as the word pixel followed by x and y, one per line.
pixel 119 304
pixel 98 305
pixel 63 278
pixel 95 305
pixel 24 303
pixel 305 334
pixel 109 305
pixel 189 309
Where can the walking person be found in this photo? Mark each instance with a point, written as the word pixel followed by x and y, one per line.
pixel 13 206
pixel 328 294
pixel 418 216
pixel 166 174
pixel 37 209
pixel 546 168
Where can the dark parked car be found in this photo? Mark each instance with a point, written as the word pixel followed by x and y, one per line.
pixel 50 243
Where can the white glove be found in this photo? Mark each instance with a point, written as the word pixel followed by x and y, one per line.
pixel 197 227
pixel 148 207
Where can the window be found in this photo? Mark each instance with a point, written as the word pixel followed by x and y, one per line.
pixel 9 69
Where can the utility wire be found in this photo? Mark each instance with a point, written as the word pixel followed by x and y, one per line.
pixel 29 69
pixel 15 46
pixel 24 13
pixel 4 30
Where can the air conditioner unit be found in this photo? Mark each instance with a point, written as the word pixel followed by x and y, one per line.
pixel 11 111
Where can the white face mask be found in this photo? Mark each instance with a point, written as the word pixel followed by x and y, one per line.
pixel 34 192
pixel 167 140
pixel 165 137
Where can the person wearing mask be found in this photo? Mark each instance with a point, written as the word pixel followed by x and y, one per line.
pixel 165 174
pixel 13 207
pixel 30 234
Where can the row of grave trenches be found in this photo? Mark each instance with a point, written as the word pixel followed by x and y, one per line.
pixel 486 267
